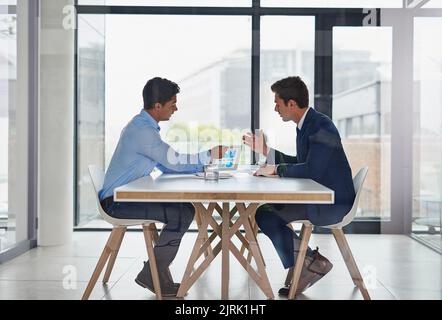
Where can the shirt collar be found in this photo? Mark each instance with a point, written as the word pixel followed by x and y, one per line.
pixel 148 118
pixel 301 122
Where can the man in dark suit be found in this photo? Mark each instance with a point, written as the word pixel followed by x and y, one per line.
pixel 320 157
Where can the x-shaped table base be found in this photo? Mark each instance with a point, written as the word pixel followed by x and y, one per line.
pixel 226 230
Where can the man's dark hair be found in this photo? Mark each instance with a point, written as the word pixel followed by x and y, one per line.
pixel 292 88
pixel 159 90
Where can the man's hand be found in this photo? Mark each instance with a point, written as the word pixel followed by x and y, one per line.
pixel 268 170
pixel 257 142
pixel 218 152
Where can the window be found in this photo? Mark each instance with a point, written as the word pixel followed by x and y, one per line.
pixel 8 83
pixel 209 54
pixel 284 52
pixel 427 135
pixel 13 130
pixel 212 66
pixel 90 109
pixel 361 99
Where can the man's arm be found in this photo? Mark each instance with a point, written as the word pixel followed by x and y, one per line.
pixel 322 146
pixel 166 170
pixel 168 160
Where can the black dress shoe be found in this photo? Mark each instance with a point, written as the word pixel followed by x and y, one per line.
pixel 168 288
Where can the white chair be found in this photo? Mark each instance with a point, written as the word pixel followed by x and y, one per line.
pixel 336 229
pixel 113 244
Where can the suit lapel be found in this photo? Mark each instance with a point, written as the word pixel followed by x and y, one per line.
pixel 300 143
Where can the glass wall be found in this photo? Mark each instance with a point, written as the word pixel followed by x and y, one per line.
pixel 209 56
pixel 90 110
pixel 362 69
pixel 427 135
pixel 212 66
pixel 284 54
pixel 13 133
pixel 8 83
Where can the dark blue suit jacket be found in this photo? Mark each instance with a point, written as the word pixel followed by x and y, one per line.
pixel 320 157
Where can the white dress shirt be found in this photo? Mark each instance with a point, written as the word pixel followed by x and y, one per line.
pixel 301 122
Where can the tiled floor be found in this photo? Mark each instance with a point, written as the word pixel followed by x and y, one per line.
pixel 395 267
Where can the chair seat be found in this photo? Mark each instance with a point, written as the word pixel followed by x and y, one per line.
pixel 358 181
pixel 308 223
pixel 305 222
pixel 128 222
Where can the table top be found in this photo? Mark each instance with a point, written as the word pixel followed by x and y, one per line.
pixel 242 187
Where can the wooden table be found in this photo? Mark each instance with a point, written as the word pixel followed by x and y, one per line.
pixel 247 193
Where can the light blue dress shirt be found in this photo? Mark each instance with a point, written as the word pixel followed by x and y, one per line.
pixel 140 150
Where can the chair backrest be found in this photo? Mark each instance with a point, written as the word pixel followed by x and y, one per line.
pixel 358 182
pixel 97 177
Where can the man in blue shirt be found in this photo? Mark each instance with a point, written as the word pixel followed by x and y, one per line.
pixel 320 157
pixel 139 150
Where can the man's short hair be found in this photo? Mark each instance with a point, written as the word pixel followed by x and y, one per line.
pixel 292 88
pixel 159 90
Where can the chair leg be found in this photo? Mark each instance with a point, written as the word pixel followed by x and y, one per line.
pixel 305 237
pixel 148 237
pixel 350 262
pixel 113 257
pixel 111 244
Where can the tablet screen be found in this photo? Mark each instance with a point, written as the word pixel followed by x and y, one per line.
pixel 230 159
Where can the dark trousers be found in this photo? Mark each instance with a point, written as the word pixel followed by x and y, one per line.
pixel 273 219
pixel 177 218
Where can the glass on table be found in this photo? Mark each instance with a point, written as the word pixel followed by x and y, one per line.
pixel 211 172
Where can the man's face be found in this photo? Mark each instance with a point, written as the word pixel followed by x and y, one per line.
pixel 282 109
pixel 168 109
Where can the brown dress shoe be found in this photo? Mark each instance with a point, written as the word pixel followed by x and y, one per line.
pixel 304 279
pixel 314 268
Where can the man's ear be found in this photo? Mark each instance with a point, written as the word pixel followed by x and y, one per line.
pixel 292 104
pixel 158 106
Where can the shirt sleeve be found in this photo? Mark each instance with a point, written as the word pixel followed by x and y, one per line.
pixel 168 160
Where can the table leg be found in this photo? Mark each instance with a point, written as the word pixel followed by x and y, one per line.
pixel 225 272
pixel 201 245
pixel 226 231
pixel 263 281
pixel 198 220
